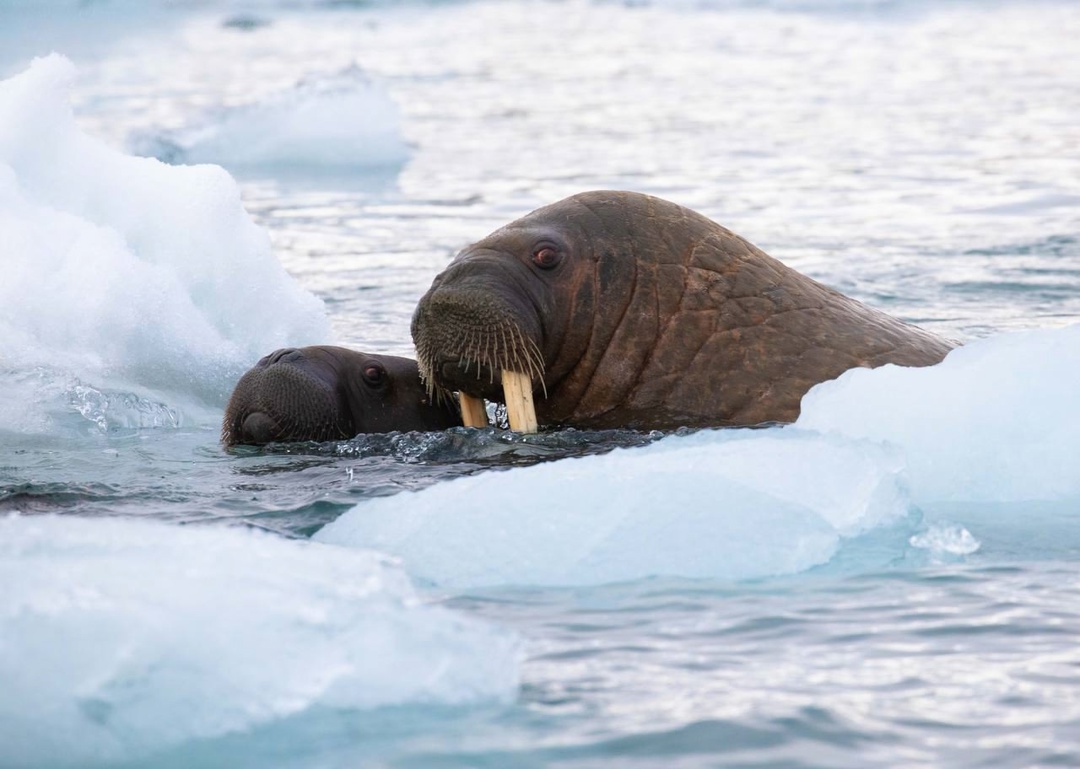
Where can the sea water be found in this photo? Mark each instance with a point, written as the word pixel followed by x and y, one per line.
pixel 892 581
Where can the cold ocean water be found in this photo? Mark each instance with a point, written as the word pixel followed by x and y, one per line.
pixel 894 581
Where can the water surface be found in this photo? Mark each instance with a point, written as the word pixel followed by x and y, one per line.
pixel 910 603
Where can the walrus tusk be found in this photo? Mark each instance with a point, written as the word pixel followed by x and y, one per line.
pixel 473 412
pixel 517 390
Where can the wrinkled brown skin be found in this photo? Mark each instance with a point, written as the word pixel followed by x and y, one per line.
pixel 325 393
pixel 654 317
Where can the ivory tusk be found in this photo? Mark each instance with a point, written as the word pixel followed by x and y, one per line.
pixel 517 389
pixel 473 411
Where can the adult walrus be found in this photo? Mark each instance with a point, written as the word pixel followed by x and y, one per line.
pixel 623 310
pixel 325 393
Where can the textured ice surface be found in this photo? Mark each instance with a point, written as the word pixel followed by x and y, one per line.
pixel 342 124
pixel 125 276
pixel 997 421
pixel 120 638
pixel 727 505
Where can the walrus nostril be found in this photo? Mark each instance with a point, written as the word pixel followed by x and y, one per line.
pixel 287 353
pixel 258 428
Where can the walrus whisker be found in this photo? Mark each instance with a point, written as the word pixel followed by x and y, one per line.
pixel 501 336
pixel 473 351
pixel 489 356
pixel 482 355
pixel 440 395
pixel 534 359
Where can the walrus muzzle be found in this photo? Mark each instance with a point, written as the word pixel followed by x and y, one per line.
pixel 470 339
pixel 276 401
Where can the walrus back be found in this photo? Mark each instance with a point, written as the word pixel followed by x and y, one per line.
pixel 764 333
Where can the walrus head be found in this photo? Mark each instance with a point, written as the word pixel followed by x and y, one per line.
pixel 528 298
pixel 497 308
pixel 325 393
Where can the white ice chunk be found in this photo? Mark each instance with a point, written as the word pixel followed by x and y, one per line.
pixel 119 638
pixel 124 274
pixel 946 539
pixel 998 420
pixel 726 505
pixel 346 123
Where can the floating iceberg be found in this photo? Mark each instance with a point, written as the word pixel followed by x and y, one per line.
pixel 120 639
pixel 344 124
pixel 997 421
pixel 723 505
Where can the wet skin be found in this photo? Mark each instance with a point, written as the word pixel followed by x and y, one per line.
pixel 325 393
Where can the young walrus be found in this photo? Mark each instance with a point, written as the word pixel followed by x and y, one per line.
pixel 617 309
pixel 325 393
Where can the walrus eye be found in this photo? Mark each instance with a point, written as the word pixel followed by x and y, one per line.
pixel 546 257
pixel 374 374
